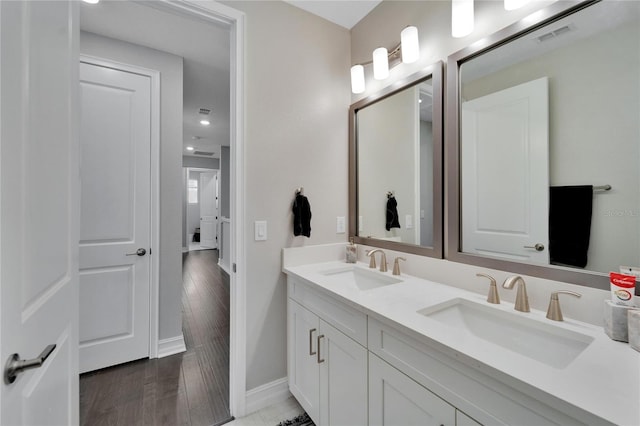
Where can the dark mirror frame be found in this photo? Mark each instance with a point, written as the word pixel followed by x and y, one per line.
pixel 452 156
pixel 435 71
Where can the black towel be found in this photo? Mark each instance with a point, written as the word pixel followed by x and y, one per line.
pixel 392 213
pixel 301 216
pixel 570 209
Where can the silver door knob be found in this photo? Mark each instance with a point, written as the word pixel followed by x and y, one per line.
pixel 139 252
pixel 15 365
pixel 538 247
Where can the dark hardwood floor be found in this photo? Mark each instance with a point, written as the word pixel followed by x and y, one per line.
pixel 191 388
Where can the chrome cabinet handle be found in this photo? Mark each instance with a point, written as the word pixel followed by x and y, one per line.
pixel 311 352
pixel 320 361
pixel 538 247
pixel 15 365
pixel 139 252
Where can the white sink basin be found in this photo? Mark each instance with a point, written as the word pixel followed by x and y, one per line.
pixel 547 343
pixel 362 279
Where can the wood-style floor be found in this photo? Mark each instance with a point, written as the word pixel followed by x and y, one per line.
pixel 191 388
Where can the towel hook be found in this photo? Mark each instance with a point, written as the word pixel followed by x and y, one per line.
pixel 299 190
pixel 390 194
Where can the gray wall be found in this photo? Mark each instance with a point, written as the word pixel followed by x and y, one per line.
pixel 225 156
pixel 170 67
pixel 297 100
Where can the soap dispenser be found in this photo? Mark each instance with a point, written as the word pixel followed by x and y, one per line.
pixel 352 252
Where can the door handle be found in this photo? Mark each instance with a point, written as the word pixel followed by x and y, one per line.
pixel 139 252
pixel 320 361
pixel 15 365
pixel 538 247
pixel 311 352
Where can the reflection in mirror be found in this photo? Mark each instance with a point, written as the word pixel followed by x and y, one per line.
pixel 395 166
pixel 397 155
pixel 550 143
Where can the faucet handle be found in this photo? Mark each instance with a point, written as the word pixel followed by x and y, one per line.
pixel 553 311
pixel 396 265
pixel 372 256
pixel 493 296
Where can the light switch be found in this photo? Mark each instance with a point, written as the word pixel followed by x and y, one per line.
pixel 408 221
pixel 340 225
pixel 260 230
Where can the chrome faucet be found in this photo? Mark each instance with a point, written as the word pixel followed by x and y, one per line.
pixel 383 259
pixel 522 300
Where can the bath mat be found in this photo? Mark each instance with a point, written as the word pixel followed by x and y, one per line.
pixel 301 420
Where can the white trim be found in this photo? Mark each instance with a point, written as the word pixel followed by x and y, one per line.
pixel 171 346
pixel 235 20
pixel 154 224
pixel 267 394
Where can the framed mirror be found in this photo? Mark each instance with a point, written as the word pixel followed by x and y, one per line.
pixel 395 166
pixel 543 145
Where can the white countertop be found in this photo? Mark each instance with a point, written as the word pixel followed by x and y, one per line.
pixel 603 380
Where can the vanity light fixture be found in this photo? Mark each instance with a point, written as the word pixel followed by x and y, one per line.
pixel 461 18
pixel 380 63
pixel 514 4
pixel 409 48
pixel 204 116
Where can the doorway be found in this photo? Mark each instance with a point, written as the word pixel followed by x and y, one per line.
pixel 201 227
pixel 218 15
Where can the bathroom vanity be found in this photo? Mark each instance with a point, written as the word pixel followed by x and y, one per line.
pixel 366 347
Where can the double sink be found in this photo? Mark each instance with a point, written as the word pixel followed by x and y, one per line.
pixel 513 331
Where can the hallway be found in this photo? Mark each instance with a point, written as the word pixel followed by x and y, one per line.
pixel 191 388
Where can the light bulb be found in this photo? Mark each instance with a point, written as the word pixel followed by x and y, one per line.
pixel 357 79
pixel 410 45
pixel 380 63
pixel 461 18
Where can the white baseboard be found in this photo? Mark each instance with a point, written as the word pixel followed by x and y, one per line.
pixel 171 346
pixel 224 267
pixel 267 394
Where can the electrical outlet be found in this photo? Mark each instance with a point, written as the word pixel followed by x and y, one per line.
pixel 340 225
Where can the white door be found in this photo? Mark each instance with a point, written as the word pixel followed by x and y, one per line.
pixel 208 209
pixel 39 209
pixel 115 143
pixel 505 173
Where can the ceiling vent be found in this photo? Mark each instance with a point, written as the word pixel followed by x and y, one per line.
pixel 555 33
pixel 203 153
pixel 204 111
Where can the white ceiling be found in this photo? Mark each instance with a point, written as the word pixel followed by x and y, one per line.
pixel 346 13
pixel 204 47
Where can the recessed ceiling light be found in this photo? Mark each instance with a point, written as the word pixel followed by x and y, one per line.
pixel 205 122
pixel 189 148
pixel 91 1
pixel 204 116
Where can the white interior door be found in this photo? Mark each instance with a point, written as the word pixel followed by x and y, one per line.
pixel 208 209
pixel 115 142
pixel 39 209
pixel 505 173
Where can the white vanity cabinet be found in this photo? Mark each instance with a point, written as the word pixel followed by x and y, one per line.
pixel 327 369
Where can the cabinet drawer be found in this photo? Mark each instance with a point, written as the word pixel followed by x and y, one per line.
pixel 345 318
pixel 478 394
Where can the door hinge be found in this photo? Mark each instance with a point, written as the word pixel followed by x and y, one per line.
pixel 234 268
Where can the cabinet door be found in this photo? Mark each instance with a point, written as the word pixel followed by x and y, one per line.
pixel 343 379
pixel 304 381
pixel 395 399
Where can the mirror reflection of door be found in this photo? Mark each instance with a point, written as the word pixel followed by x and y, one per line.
pixel 505 158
